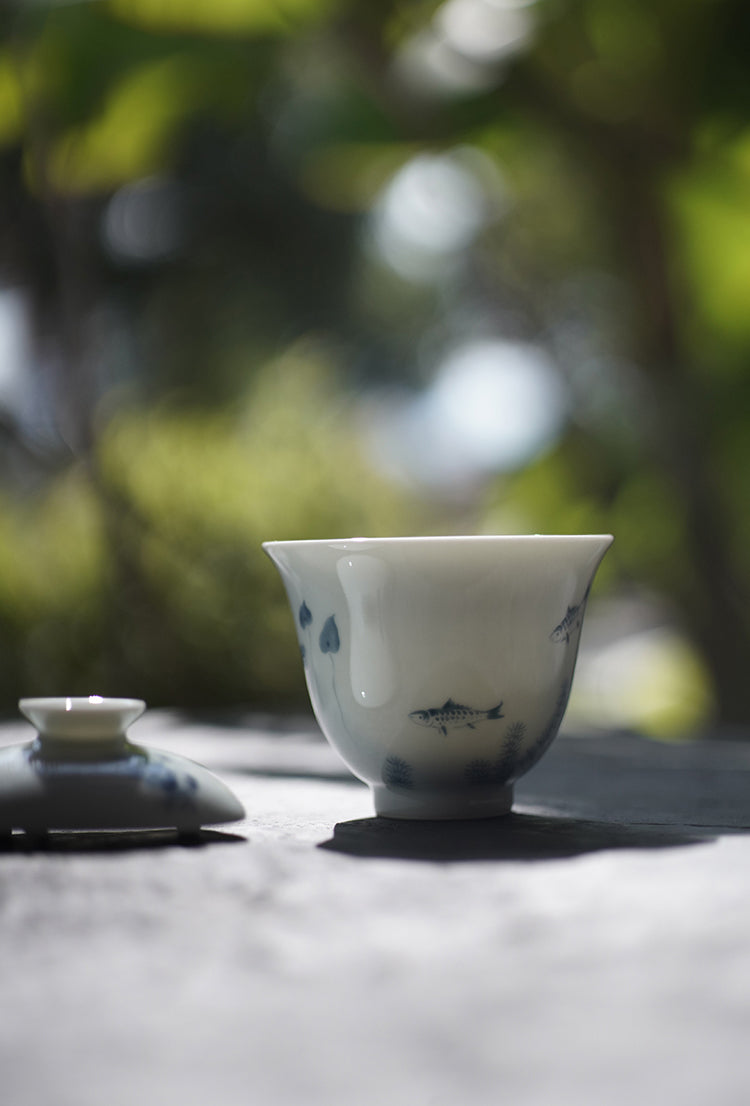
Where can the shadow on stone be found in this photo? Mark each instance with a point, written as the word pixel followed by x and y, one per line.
pixel 515 837
pixel 88 841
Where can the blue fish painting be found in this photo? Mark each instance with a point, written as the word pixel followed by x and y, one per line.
pixel 453 716
pixel 571 621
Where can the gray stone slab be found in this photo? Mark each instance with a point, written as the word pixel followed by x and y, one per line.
pixel 593 948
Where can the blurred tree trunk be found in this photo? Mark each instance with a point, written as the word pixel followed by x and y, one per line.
pixel 716 608
pixel 630 164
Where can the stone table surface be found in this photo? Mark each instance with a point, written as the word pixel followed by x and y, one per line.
pixel 591 948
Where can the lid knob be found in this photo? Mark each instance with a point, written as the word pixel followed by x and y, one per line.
pixel 85 721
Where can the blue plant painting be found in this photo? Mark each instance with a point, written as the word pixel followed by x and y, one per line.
pixel 505 765
pixel 330 643
pixel 484 772
pixel 305 615
pixel 329 640
pixel 398 773
pixel 547 736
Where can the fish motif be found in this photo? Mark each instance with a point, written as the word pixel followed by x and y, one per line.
pixel 453 716
pixel 572 620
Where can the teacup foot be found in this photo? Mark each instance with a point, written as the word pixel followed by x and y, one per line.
pixel 394 804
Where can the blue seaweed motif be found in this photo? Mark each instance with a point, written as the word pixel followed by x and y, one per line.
pixel 329 640
pixel 398 773
pixel 545 739
pixel 305 615
pixel 505 765
pixel 483 773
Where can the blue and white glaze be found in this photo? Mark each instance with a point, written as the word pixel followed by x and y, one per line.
pixel 83 773
pixel 329 640
pixel 439 668
pixel 503 767
pixel 571 622
pixel 398 774
pixel 304 617
pixel 454 716
pixel 167 777
pixel 533 752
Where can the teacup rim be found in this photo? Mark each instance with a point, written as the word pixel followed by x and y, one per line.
pixel 447 539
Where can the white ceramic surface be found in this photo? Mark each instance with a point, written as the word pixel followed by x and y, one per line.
pixel 82 773
pixel 81 720
pixel 440 668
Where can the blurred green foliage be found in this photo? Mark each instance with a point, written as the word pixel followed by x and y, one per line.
pixel 145 571
pixel 189 196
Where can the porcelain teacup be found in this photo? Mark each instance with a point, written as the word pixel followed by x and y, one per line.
pixel 440 668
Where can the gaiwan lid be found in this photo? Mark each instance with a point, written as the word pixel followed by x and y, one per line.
pixel 82 773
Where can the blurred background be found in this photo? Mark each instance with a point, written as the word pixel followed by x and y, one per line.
pixel 313 268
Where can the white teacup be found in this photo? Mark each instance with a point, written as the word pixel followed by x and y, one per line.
pixel 439 668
